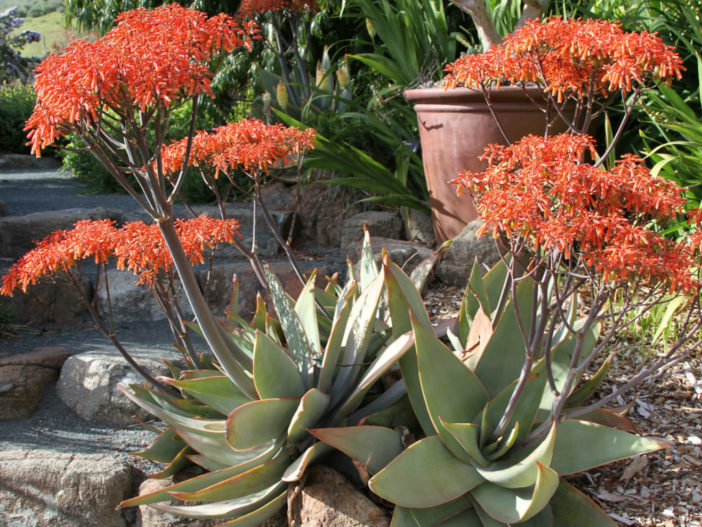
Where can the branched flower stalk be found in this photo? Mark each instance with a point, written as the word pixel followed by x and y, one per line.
pixel 99 91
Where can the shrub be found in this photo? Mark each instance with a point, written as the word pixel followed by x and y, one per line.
pixel 16 104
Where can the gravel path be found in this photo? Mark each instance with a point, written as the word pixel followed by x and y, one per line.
pixel 27 191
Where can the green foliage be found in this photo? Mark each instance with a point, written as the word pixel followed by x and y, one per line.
pixel 16 105
pixel 99 15
pixel 312 367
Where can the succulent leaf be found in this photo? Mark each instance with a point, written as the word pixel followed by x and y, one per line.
pixel 385 359
pixel 517 505
pixel 404 517
pixel 175 465
pixel 217 392
pixel 372 446
pixel 214 446
pixel 401 305
pixel 468 436
pixel 425 475
pixel 169 413
pixel 368 269
pixel 227 508
pixel 260 515
pixel 358 334
pixel 588 389
pixel 258 422
pixel 275 373
pixel 581 445
pixel 516 474
pixel 571 507
pixel 164 448
pixel 306 309
pixel 451 391
pixel 293 329
pixel 503 357
pixel 527 407
pixel 189 485
pixel 252 481
pixel 334 343
pixel 297 468
pixel 312 407
pixel 504 443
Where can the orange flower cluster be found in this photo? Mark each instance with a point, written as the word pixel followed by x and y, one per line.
pixel 249 144
pixel 251 8
pixel 540 190
pixel 569 57
pixel 136 246
pixel 150 58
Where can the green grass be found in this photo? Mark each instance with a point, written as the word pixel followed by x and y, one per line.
pixel 53 34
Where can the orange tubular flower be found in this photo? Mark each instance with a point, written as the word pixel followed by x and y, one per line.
pixel 249 144
pixel 173 44
pixel 59 251
pixel 566 56
pixel 540 190
pixel 136 246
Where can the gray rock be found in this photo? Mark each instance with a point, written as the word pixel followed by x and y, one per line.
pixel 405 254
pixel 131 302
pixel 218 284
pixel 328 500
pixel 458 261
pixel 277 196
pixel 89 381
pixel 49 300
pixel 267 246
pixel 18 233
pixel 25 377
pixel 418 227
pixel 45 488
pixel 378 223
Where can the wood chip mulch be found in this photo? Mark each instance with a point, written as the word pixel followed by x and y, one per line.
pixel 661 489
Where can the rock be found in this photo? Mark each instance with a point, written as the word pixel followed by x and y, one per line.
pixel 277 196
pixel 49 300
pixel 45 488
pixel 131 302
pixel 328 500
pixel 267 246
pixel 18 233
pixel 418 227
pixel 378 223
pixel 219 286
pixel 89 381
pixel 151 517
pixel 405 254
pixel 320 215
pixel 457 264
pixel 24 378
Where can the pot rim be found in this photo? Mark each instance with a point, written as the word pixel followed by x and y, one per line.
pixel 441 95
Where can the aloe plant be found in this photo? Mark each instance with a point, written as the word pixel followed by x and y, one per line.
pixel 314 365
pixel 488 460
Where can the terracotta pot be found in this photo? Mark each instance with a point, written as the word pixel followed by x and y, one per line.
pixel 455 126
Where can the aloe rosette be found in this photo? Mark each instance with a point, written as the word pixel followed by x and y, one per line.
pixel 466 471
pixel 314 365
